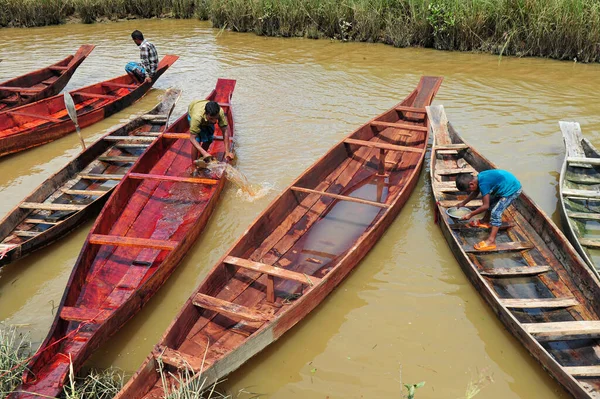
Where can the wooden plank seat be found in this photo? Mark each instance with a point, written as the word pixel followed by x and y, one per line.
pixel 19 89
pixel 592 194
pixel 154 117
pixel 384 146
pixel 84 192
pixel 35 116
pixel 40 221
pixel 58 68
pixel 229 309
pixel 180 179
pixel 125 159
pixel 454 171
pixel 583 215
pixel 403 108
pixel 224 104
pixel 520 271
pixel 178 359
pixel 502 247
pixel 94 95
pixel 145 139
pixel 118 85
pixel 583 371
pixel 465 226
pixel 404 126
pixel 100 176
pixel 563 330
pixel 272 270
pixel 83 314
pixel 450 203
pixel 123 241
pixel 48 206
pixel 590 243
pixel 451 147
pixel 219 137
pixel 535 303
pixel 131 145
pixel 177 136
pixel 26 233
pixel 589 161
pixel 340 197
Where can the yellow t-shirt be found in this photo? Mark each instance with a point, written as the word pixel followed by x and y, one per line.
pixel 198 116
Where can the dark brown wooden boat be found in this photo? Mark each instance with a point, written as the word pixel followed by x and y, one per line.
pixel 580 194
pixel 79 190
pixel 297 251
pixel 42 83
pixel 47 120
pixel 534 280
pixel 147 226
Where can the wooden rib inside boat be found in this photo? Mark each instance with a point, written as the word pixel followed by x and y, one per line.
pixel 145 229
pixel 47 120
pixel 534 280
pixel 580 194
pixel 297 251
pixel 42 83
pixel 80 189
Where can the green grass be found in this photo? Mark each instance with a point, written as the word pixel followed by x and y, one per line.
pixel 561 29
pixel 14 350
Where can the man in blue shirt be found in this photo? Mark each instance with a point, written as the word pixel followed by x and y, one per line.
pixel 498 189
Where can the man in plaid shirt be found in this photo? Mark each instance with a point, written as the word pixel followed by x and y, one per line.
pixel 144 71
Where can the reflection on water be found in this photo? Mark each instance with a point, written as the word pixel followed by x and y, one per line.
pixel 407 305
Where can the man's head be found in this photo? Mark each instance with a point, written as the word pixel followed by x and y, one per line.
pixel 211 111
pixel 466 182
pixel 137 37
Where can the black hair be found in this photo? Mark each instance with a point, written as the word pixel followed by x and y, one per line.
pixel 463 180
pixel 136 34
pixel 212 108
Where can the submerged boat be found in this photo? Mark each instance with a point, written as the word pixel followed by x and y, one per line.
pixel 146 227
pixel 534 280
pixel 42 83
pixel 47 120
pixel 580 194
pixel 79 190
pixel 297 251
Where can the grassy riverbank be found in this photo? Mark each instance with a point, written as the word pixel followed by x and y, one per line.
pixel 561 29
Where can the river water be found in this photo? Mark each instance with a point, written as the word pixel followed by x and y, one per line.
pixel 407 313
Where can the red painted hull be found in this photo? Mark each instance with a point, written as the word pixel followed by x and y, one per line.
pixel 151 221
pixel 42 83
pixel 47 120
pixel 297 251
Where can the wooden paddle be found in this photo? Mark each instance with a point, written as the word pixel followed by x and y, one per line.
pixel 171 110
pixel 70 105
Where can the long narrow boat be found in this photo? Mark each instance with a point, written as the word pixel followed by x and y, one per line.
pixel 147 226
pixel 298 250
pixel 79 190
pixel 580 194
pixel 47 120
pixel 534 280
pixel 42 83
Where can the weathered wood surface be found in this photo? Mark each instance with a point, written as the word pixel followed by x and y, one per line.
pixel 74 194
pixel 319 235
pixel 544 291
pixel 45 82
pixel 47 120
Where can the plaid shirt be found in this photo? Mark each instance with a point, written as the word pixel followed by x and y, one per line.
pixel 149 57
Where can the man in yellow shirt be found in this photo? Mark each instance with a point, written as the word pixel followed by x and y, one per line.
pixel 202 116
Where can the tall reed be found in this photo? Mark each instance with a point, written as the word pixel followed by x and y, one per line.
pixel 14 350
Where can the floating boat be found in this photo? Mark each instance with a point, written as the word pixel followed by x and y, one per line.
pixel 580 194
pixel 534 280
pixel 42 83
pixel 297 251
pixel 79 190
pixel 146 227
pixel 47 120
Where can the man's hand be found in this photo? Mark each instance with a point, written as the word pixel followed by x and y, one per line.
pixel 466 217
pixel 230 156
pixel 148 79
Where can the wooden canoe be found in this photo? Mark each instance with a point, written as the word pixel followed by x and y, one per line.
pixel 298 250
pixel 79 190
pixel 42 83
pixel 47 120
pixel 535 281
pixel 147 226
pixel 580 194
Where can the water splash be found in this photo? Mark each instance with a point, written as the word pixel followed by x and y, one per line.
pixel 248 192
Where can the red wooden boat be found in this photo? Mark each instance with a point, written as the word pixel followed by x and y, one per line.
pixel 79 190
pixel 47 120
pixel 297 251
pixel 147 226
pixel 42 83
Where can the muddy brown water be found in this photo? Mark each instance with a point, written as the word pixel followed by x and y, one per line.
pixel 407 313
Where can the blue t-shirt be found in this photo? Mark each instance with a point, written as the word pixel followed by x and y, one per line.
pixel 498 183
